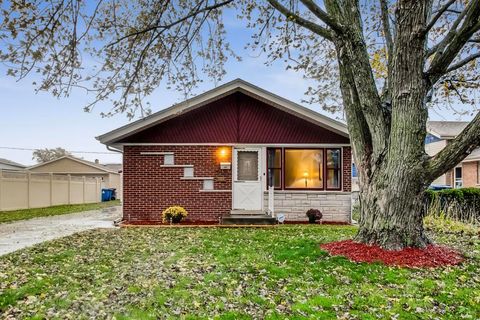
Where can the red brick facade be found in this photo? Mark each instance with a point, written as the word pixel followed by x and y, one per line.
pixel 347 169
pixel 194 136
pixel 470 174
pixel 149 188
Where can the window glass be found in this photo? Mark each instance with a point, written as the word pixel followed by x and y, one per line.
pixel 333 168
pixel 303 169
pixel 274 166
pixel 478 172
pixel 247 165
pixel 458 177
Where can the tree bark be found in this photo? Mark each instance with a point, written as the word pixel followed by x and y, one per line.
pixel 392 161
pixel 391 210
pixel 388 131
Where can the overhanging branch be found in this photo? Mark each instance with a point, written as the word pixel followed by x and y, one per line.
pixel 463 62
pixel 322 15
pixel 437 16
pixel 315 28
pixel 172 24
pixel 456 150
pixel 454 41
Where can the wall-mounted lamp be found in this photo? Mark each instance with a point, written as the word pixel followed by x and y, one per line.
pixel 223 153
pixel 223 157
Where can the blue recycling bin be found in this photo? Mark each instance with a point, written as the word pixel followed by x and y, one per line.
pixel 107 194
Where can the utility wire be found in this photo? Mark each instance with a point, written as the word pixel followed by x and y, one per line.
pixel 31 149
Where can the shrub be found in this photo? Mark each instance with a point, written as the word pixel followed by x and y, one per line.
pixel 174 214
pixel 314 215
pixel 445 225
pixel 456 204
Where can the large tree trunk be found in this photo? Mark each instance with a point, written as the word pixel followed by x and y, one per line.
pixel 391 213
pixel 391 159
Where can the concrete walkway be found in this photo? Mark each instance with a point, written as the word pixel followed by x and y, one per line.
pixel 21 234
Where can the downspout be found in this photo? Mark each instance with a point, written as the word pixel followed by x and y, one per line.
pixel 117 222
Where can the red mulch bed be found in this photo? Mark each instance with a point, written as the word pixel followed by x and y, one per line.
pixel 430 257
pixel 160 223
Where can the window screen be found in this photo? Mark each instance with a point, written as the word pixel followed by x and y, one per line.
pixel 247 167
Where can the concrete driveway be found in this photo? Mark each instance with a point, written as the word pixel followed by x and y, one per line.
pixel 21 234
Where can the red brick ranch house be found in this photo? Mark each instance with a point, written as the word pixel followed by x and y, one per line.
pixel 232 151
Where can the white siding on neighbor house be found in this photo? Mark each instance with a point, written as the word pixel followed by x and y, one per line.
pixel 9 167
pixel 432 149
pixel 335 206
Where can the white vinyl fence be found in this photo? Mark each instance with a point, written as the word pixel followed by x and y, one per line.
pixel 23 190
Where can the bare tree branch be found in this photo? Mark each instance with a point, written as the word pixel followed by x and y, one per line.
pixel 322 15
pixel 439 13
pixel 167 26
pixel 456 150
pixel 315 28
pixel 463 62
pixel 450 46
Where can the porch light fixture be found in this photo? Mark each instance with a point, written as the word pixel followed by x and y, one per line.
pixel 223 154
pixel 223 157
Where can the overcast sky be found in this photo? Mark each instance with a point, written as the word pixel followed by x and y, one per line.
pixel 37 120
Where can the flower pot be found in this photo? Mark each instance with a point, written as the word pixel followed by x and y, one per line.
pixel 312 219
pixel 177 219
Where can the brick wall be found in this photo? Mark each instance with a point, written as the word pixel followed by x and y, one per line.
pixel 150 188
pixel 347 169
pixel 469 174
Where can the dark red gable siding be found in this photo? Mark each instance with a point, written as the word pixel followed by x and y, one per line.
pixel 236 118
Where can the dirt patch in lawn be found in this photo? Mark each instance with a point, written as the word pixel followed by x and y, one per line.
pixel 430 257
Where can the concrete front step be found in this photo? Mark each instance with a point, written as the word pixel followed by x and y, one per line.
pixel 247 212
pixel 248 219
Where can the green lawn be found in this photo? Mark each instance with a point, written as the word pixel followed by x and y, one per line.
pixel 192 273
pixel 10 216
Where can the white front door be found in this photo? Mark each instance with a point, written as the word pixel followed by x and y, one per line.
pixel 247 179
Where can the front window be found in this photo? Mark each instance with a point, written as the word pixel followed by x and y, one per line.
pixel 478 172
pixel 303 169
pixel 333 168
pixel 458 177
pixel 274 167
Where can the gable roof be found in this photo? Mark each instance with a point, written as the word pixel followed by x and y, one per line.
pixel 12 163
pixel 446 129
pixel 237 85
pixel 85 162
pixel 474 156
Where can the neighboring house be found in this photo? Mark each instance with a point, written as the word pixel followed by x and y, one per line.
pixel 217 154
pixel 117 167
pixel 11 165
pixel 78 167
pixel 467 172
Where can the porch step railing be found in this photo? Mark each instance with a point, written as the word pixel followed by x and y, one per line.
pixel 271 209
